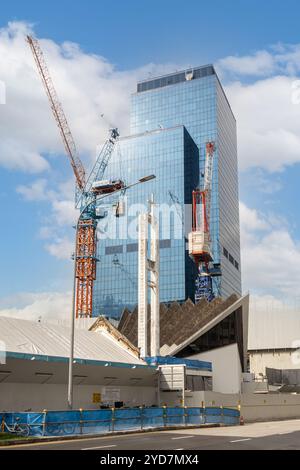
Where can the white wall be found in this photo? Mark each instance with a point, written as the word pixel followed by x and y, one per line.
pixel 268 407
pixel 24 396
pixel 200 399
pixel 254 407
pixel 276 360
pixel 226 368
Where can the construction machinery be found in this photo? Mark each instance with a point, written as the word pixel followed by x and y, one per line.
pixel 200 238
pixel 87 191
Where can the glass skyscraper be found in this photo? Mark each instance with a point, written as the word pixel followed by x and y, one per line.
pixel 172 118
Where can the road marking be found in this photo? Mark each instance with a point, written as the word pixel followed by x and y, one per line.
pixel 182 437
pixel 180 448
pixel 99 447
pixel 241 440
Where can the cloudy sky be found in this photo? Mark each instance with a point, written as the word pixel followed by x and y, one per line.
pixel 96 54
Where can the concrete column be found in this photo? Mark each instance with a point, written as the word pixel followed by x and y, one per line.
pixel 142 284
pixel 154 281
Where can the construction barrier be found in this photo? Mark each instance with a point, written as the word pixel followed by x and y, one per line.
pixel 104 421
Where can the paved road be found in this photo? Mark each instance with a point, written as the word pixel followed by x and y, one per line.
pixel 269 436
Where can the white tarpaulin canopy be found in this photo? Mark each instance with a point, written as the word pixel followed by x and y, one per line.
pixel 28 337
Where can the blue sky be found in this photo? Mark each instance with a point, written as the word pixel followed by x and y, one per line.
pixel 131 33
pixel 254 46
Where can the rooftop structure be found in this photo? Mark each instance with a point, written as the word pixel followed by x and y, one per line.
pixel 189 329
pixel 107 369
pixel 45 342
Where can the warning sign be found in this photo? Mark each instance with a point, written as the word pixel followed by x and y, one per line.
pixel 97 397
pixel 111 394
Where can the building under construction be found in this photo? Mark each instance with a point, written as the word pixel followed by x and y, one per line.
pixel 173 120
pixel 184 137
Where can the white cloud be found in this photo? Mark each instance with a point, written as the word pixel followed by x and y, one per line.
pixel 60 215
pixel 261 63
pixel 87 84
pixel 46 232
pixel 279 59
pixel 260 304
pixel 64 212
pixel 267 120
pixel 267 109
pixel 14 155
pixel 251 220
pixel 264 96
pixel 36 191
pixel 260 180
pixel 270 256
pixel 35 306
pixel 61 248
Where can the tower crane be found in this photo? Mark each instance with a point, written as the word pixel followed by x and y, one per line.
pixel 87 191
pixel 199 237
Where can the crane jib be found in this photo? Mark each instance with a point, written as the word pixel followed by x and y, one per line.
pixel 58 112
pixel 86 239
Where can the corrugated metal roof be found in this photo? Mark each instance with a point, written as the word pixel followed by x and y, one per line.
pixel 22 336
pixel 226 308
pixel 178 322
pixel 273 329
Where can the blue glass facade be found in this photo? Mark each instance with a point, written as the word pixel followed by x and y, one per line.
pixel 172 118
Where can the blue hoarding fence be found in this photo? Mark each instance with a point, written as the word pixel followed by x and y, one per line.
pixel 104 421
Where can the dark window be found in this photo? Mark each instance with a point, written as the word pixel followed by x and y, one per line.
pixel 208 383
pixel 173 79
pixel 111 250
pixel 228 331
pixel 236 264
pixel 197 383
pixel 165 243
pixel 132 247
pixel 225 252
pixel 194 383
pixel 231 259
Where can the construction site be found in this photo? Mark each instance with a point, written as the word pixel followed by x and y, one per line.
pixel 158 321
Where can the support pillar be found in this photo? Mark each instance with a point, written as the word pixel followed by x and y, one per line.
pixel 142 284
pixel 154 281
pixel 148 265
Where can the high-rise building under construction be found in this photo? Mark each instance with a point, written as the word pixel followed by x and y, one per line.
pixel 172 119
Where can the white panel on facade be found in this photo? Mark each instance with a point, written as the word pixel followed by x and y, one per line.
pixel 274 328
pixel 172 377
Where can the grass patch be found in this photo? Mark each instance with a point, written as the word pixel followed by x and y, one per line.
pixel 5 436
